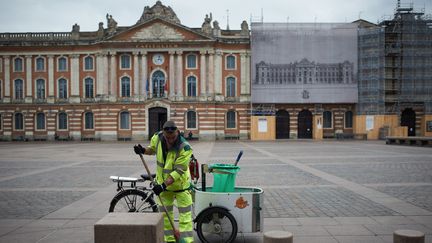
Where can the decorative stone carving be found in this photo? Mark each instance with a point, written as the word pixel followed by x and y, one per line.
pixel 244 28
pixel 75 31
pixel 112 24
pixel 100 32
pixel 157 31
pixel 159 11
pixel 206 26
pixel 216 28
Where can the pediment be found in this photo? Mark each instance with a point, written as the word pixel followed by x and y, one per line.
pixel 158 30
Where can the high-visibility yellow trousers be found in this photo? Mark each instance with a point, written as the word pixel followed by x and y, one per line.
pixel 184 205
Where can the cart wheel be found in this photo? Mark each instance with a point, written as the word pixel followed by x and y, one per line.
pixel 216 225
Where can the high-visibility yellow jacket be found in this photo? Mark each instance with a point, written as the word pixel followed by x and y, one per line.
pixel 176 163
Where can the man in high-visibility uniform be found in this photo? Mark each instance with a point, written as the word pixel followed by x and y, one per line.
pixel 173 153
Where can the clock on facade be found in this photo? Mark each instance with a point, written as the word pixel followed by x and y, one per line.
pixel 158 59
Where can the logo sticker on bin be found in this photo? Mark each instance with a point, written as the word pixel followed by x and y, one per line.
pixel 241 203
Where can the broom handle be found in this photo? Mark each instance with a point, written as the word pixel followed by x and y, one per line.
pixel 165 209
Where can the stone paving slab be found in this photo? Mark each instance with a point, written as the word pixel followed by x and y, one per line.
pixel 326 191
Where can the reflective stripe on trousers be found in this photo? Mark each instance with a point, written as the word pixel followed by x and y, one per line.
pixel 184 204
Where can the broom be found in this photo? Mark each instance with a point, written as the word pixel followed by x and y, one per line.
pixel 176 232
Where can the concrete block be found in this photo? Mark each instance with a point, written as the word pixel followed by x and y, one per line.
pixel 130 228
pixel 278 236
pixel 408 236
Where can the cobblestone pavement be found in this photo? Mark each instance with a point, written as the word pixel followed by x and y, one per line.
pixel 328 191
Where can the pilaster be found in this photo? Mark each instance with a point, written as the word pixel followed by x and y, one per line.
pixel 28 85
pixel 75 92
pixel 171 74
pixel 203 76
pixel 51 90
pixel 6 70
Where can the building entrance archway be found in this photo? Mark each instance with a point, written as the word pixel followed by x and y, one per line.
pixel 157 117
pixel 282 124
pixel 304 124
pixel 408 118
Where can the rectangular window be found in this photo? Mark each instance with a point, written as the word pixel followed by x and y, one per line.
pixel 327 116
pixel 125 62
pixel 1 124
pixel 19 89
pixel 191 61
pixel 40 121
pixel 18 65
pixel 231 62
pixel 89 120
pixel 231 119
pixel 40 64
pixel 348 119
pixel 124 120
pixel 62 121
pixel 88 63
pixel 89 88
pixel 19 121
pixel 62 64
pixel 191 119
pixel 40 89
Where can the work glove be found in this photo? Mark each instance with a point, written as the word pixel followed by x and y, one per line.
pixel 139 149
pixel 157 189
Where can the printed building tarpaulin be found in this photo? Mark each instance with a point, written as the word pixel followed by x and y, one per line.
pixel 304 63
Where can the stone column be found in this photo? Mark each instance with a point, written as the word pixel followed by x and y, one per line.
pixel 75 79
pixel 113 77
pixel 211 74
pixel 171 74
pixel 28 85
pixel 135 76
pixel 51 91
pixel 144 74
pixel 203 76
pixel 105 75
pixel 6 70
pixel 179 83
pixel 248 74
pixel 100 77
pixel 218 76
pixel 242 73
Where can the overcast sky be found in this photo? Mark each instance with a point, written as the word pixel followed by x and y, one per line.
pixel 60 15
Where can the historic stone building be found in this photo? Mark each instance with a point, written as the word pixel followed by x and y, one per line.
pixel 121 83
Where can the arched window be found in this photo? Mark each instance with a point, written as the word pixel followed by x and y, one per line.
pixel 88 63
pixel 125 62
pixel 88 120
pixel 125 87
pixel 19 121
pixel 19 89
pixel 231 119
pixel 40 121
pixel 348 119
pixel 125 120
pixel 191 61
pixel 62 64
pixel 327 116
pixel 40 89
pixel 191 120
pixel 191 86
pixel 231 62
pixel 62 88
pixel 18 64
pixel 158 81
pixel 40 64
pixel 89 88
pixel 62 121
pixel 230 87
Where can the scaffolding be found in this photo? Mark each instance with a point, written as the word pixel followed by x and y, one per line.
pixel 395 63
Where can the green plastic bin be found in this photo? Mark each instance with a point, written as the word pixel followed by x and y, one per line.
pixel 224 176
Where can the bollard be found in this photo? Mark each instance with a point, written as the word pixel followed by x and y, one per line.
pixel 408 236
pixel 278 236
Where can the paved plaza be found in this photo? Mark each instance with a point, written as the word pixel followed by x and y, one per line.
pixel 321 191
